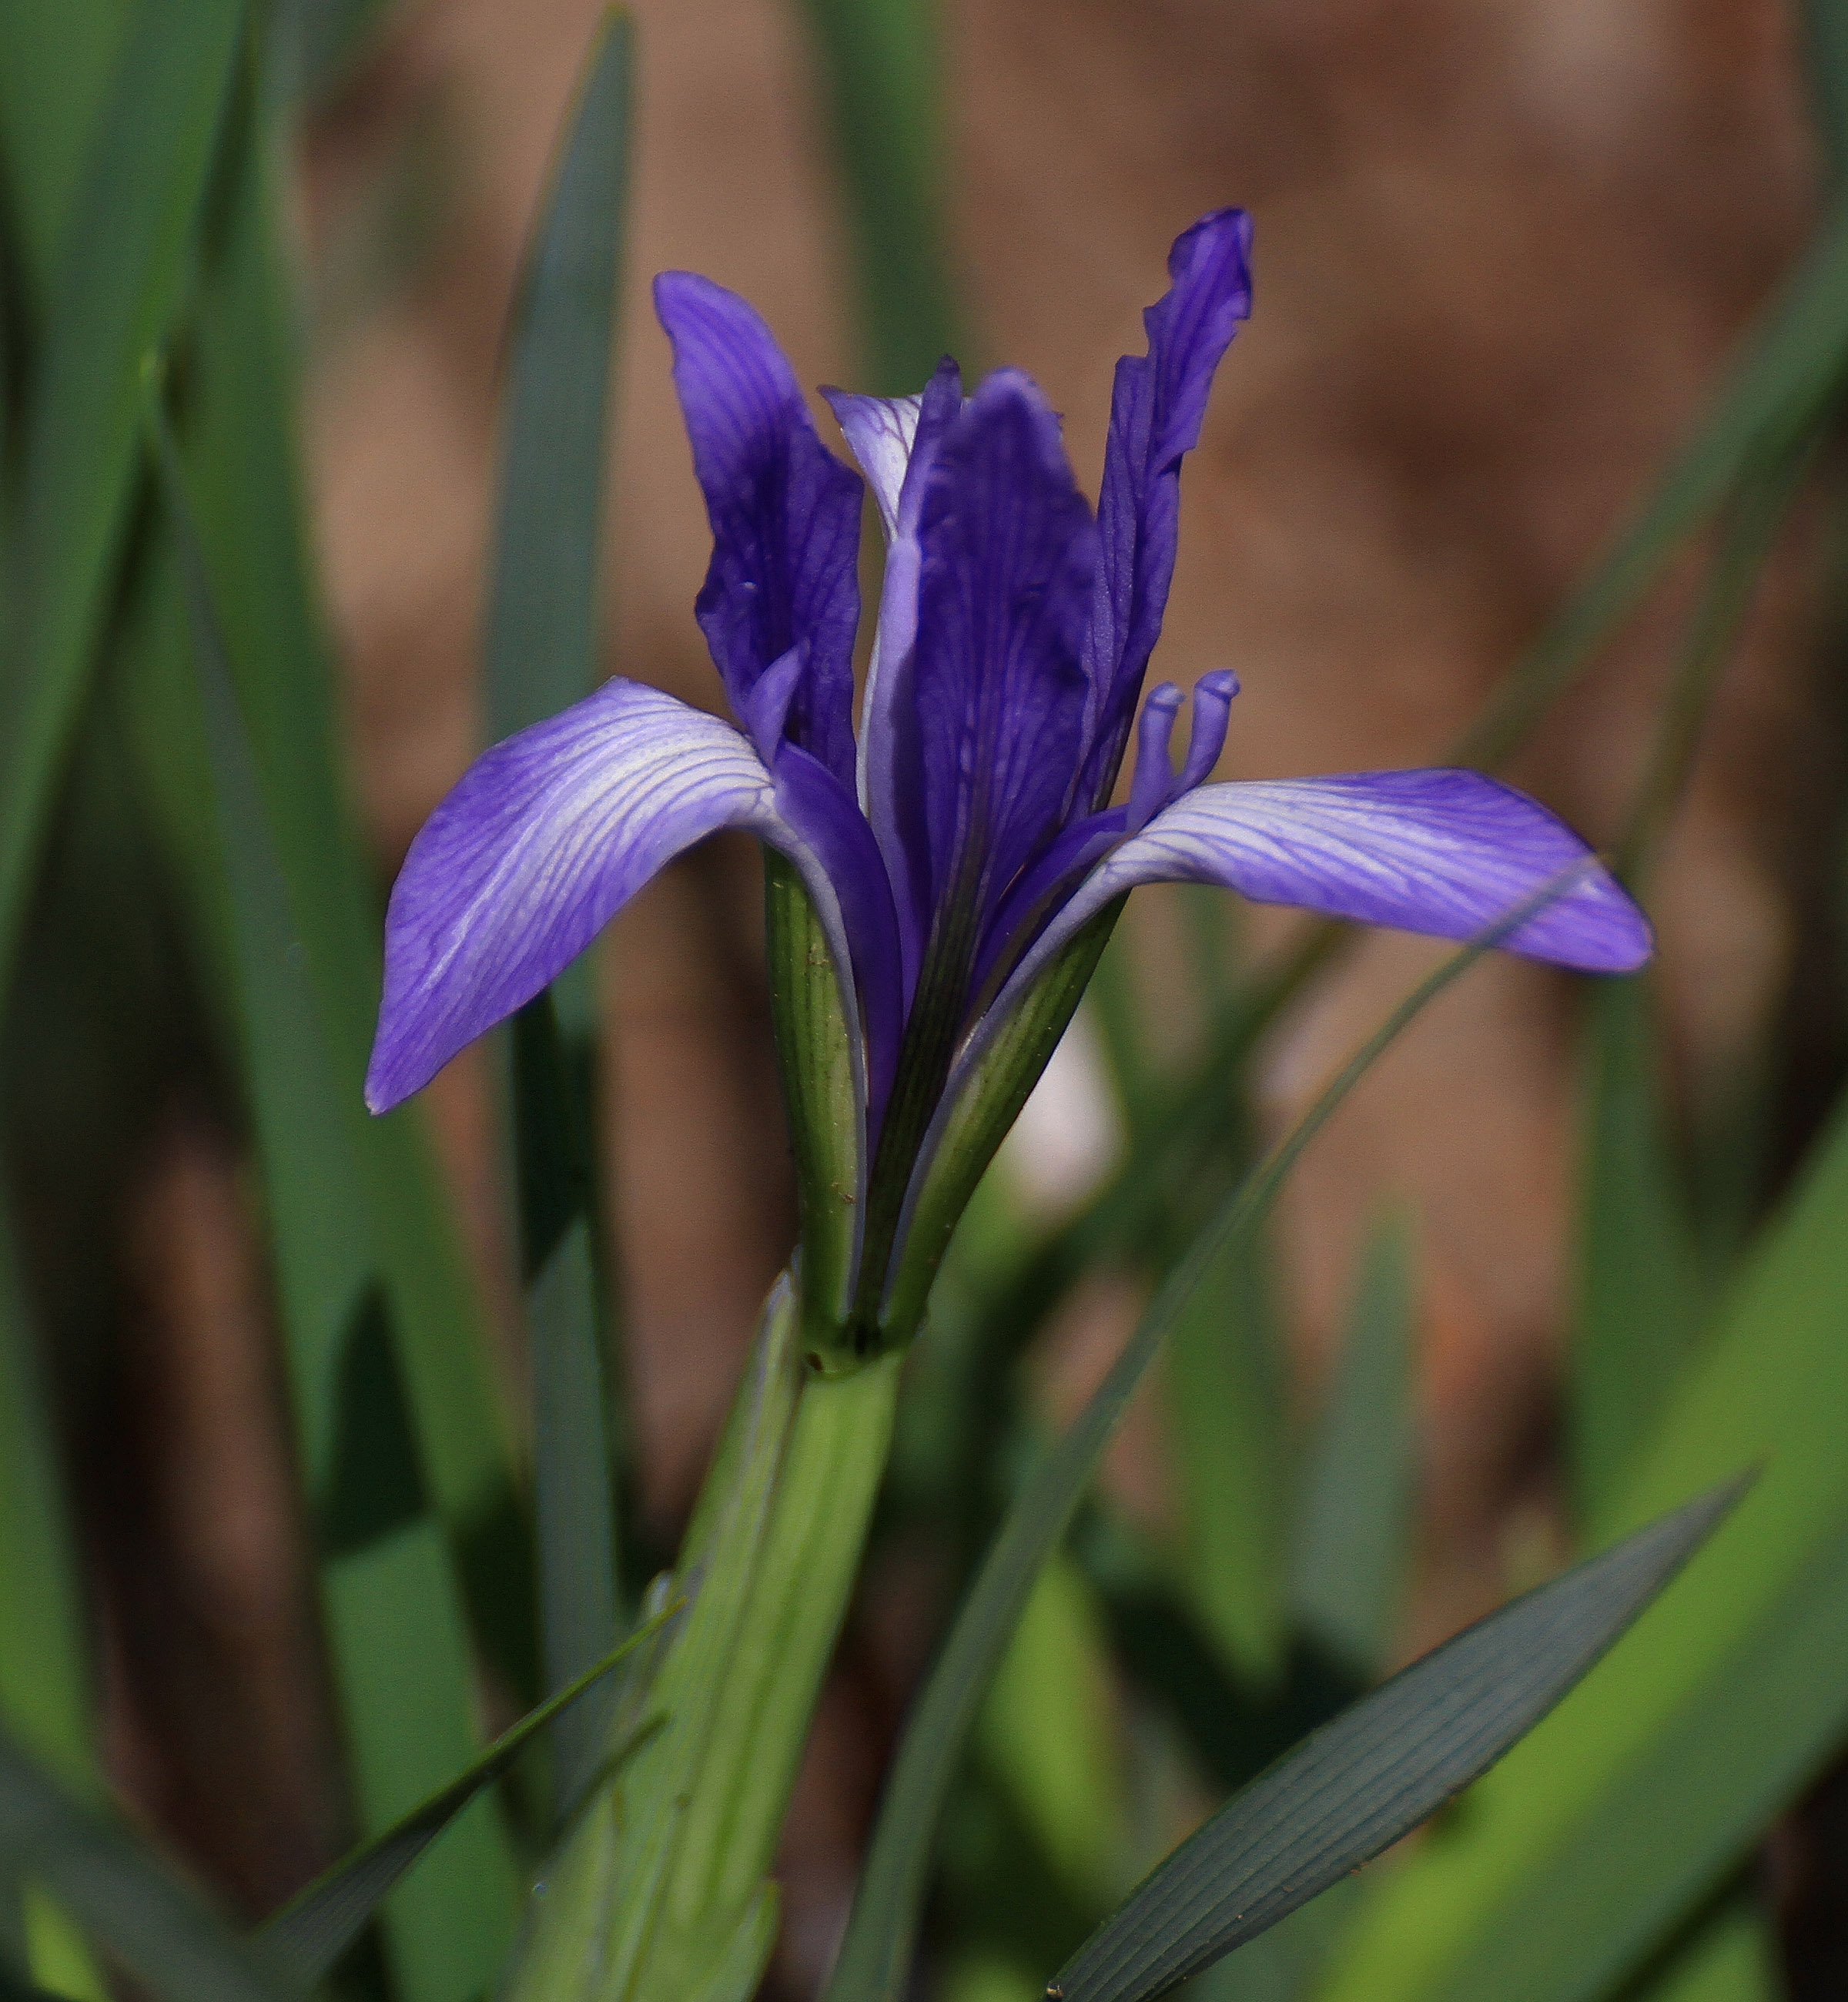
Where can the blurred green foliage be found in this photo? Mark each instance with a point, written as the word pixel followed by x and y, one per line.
pixel 170 775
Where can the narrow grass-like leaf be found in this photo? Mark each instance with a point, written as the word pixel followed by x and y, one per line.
pixel 45 1695
pixel 397 1641
pixel 45 1688
pixel 875 1956
pixel 1378 1770
pixel 239 395
pixel 1117 1009
pixel 572 1486
pixel 1604 1831
pixel 314 1929
pixel 1754 513
pixel 1044 1735
pixel 1184 1125
pixel 1233 1454
pixel 124 1898
pixel 878 67
pixel 1825 23
pixel 1642 1290
pixel 59 63
pixel 1732 1954
pixel 13 1990
pixel 541 642
pixel 541 651
pixel 1353 1543
pixel 1641 1300
pixel 119 283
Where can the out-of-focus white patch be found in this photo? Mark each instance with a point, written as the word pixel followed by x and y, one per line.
pixel 1070 1132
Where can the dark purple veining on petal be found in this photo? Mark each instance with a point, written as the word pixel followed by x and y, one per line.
pixel 1156 409
pixel 1037 894
pixel 785 515
pixel 998 689
pixel 895 440
pixel 542 842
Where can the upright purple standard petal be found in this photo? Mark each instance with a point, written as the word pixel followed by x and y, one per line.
pixel 543 841
pixel 1009 560
pixel 887 435
pixel 1156 409
pixel 785 515
pixel 895 439
pixel 880 431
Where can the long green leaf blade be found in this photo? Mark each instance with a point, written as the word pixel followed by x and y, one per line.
pixel 397 1640
pixel 1604 1830
pixel 541 643
pixel 1353 1543
pixel 1360 1782
pixel 879 68
pixel 46 1697
pixel 1231 1428
pixel 13 1990
pixel 45 1694
pixel 1732 1955
pixel 1826 25
pixel 59 63
pixel 541 653
pixel 1641 1297
pixel 121 279
pixel 247 488
pixel 875 1955
pixel 315 1928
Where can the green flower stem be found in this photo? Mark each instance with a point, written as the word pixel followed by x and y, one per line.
pixel 660 1891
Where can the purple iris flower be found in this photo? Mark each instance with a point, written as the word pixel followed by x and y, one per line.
pixel 967 833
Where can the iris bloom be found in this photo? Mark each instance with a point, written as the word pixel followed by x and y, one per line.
pixel 967 834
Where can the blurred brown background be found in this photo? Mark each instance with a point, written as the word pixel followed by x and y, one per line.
pixel 1502 250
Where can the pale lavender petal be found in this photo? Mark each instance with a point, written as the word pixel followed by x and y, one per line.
pixel 1157 410
pixel 785 515
pixel 879 430
pixel 1442 852
pixel 889 436
pixel 1010 554
pixel 891 758
pixel 544 839
pixel 1439 851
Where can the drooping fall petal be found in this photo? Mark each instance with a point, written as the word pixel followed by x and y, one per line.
pixel 1438 851
pixel 542 843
